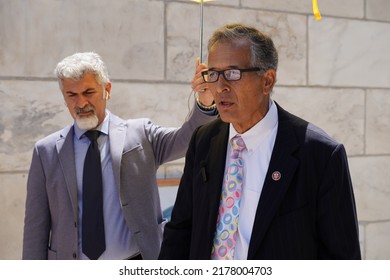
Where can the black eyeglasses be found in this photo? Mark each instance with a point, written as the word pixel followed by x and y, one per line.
pixel 211 76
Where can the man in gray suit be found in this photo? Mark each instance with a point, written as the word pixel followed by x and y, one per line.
pixel 130 151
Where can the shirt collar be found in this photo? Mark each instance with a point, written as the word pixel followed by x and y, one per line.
pixel 103 127
pixel 254 136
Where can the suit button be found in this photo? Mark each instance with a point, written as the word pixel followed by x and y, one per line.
pixel 74 256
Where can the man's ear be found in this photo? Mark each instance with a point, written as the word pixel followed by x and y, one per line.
pixel 107 94
pixel 269 78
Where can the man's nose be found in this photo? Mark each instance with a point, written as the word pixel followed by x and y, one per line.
pixel 81 101
pixel 221 85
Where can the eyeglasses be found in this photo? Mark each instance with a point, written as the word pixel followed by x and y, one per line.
pixel 211 76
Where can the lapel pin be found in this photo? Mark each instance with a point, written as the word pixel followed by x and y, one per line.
pixel 276 176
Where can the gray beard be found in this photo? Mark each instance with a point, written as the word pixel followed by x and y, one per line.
pixel 87 123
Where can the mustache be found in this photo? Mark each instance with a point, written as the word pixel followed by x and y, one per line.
pixel 86 109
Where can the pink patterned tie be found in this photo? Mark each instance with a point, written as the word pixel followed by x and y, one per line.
pixel 227 223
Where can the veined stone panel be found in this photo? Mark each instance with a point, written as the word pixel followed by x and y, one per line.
pixel 287 31
pixel 362 236
pixel 129 34
pixel 215 2
pixel 349 53
pixel 171 169
pixel 378 122
pixel 371 181
pixel 378 9
pixel 165 104
pixel 13 199
pixel 342 8
pixel 29 111
pixel 340 112
pixel 378 241
pixel 174 170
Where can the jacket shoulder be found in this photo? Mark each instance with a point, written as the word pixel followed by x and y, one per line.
pixel 52 138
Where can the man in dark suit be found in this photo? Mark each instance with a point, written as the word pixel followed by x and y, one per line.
pixel 259 183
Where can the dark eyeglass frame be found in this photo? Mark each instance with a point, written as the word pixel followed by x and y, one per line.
pixel 206 72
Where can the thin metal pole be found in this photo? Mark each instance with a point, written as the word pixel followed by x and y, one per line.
pixel 201 32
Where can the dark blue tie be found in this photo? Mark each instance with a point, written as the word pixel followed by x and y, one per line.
pixel 93 239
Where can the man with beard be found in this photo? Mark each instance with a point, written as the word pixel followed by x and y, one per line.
pixel 115 212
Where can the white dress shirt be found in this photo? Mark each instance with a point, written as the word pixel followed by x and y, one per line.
pixel 259 141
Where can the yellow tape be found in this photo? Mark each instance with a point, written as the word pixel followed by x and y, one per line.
pixel 316 11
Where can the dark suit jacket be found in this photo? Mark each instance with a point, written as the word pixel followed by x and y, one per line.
pixel 308 214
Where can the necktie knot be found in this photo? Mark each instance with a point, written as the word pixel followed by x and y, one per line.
pixel 93 135
pixel 238 143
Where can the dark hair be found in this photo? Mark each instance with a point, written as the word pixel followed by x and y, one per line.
pixel 263 52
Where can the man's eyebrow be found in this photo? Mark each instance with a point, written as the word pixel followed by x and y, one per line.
pixel 226 68
pixel 85 91
pixel 89 89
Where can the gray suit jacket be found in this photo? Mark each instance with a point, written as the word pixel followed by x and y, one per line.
pixel 138 147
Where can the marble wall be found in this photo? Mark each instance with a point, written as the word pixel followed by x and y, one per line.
pixel 334 72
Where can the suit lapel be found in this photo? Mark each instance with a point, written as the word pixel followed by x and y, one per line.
pixel 65 150
pixel 117 134
pixel 282 163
